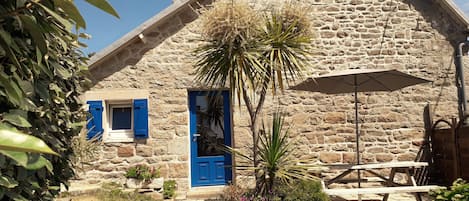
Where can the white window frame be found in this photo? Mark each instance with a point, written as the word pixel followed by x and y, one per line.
pixel 119 135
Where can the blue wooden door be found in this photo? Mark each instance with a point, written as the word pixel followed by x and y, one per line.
pixel 210 129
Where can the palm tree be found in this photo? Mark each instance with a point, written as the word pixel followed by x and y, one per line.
pixel 251 53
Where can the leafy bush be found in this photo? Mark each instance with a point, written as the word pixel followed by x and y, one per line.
pixel 169 189
pixel 459 191
pixel 306 190
pixel 109 192
pixel 142 172
pixel 112 192
pixel 42 75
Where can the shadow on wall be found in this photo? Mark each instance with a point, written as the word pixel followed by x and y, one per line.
pixel 132 53
pixel 439 19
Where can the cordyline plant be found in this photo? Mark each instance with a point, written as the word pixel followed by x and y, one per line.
pixel 42 74
pixel 252 53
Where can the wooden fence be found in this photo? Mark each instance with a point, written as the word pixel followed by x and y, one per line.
pixel 450 151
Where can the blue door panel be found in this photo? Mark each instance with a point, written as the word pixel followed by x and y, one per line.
pixel 220 170
pixel 215 169
pixel 204 169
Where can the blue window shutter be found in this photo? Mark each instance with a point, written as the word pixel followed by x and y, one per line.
pixel 141 118
pixel 95 120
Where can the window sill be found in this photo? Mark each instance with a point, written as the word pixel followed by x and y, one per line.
pixel 115 140
pixel 119 136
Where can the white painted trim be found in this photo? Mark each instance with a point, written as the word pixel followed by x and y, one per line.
pixel 111 115
pixel 120 135
pixel 123 135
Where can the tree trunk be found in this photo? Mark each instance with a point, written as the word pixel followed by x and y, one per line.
pixel 253 113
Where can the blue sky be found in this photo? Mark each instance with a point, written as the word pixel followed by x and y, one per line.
pixel 106 29
pixel 464 5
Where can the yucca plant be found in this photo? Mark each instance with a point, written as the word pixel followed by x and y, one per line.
pixel 277 163
pixel 250 52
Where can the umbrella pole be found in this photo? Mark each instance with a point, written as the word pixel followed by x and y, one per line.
pixel 357 131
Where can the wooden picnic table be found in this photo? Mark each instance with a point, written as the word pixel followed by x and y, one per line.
pixel 389 185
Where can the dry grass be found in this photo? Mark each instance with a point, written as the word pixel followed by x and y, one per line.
pixel 297 13
pixel 228 20
pixel 84 151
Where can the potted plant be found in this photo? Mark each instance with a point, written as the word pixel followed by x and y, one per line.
pixel 142 176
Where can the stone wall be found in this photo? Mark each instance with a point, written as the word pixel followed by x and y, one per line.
pixel 416 37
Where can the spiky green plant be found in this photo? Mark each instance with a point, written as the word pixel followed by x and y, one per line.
pixel 277 163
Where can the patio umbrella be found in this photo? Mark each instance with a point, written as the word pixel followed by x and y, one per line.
pixel 359 80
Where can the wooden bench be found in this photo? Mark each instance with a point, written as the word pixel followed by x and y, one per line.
pixel 382 190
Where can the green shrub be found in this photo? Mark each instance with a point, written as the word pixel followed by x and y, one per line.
pixel 459 191
pixel 113 192
pixel 306 190
pixel 142 172
pixel 42 76
pixel 109 192
pixel 169 189
pixel 119 195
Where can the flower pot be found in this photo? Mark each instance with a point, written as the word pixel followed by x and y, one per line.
pixel 133 183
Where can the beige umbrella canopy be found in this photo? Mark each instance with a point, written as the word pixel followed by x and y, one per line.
pixel 359 80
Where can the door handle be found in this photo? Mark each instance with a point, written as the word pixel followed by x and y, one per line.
pixel 194 136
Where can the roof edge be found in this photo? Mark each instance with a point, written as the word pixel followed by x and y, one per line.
pixel 449 5
pixel 132 35
pixel 454 9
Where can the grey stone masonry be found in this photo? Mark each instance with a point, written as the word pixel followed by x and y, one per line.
pixel 417 37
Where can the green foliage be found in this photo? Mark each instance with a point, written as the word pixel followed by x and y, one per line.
pixel 459 191
pixel 13 140
pixel 169 189
pixel 113 192
pixel 42 74
pixel 24 149
pixel 277 163
pixel 303 190
pixel 142 172
pixel 110 192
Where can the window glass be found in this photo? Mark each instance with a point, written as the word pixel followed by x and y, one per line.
pixel 121 118
pixel 210 125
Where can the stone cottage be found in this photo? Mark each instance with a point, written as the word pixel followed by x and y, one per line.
pixel 148 108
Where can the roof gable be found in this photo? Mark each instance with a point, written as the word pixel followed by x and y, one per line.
pixel 164 16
